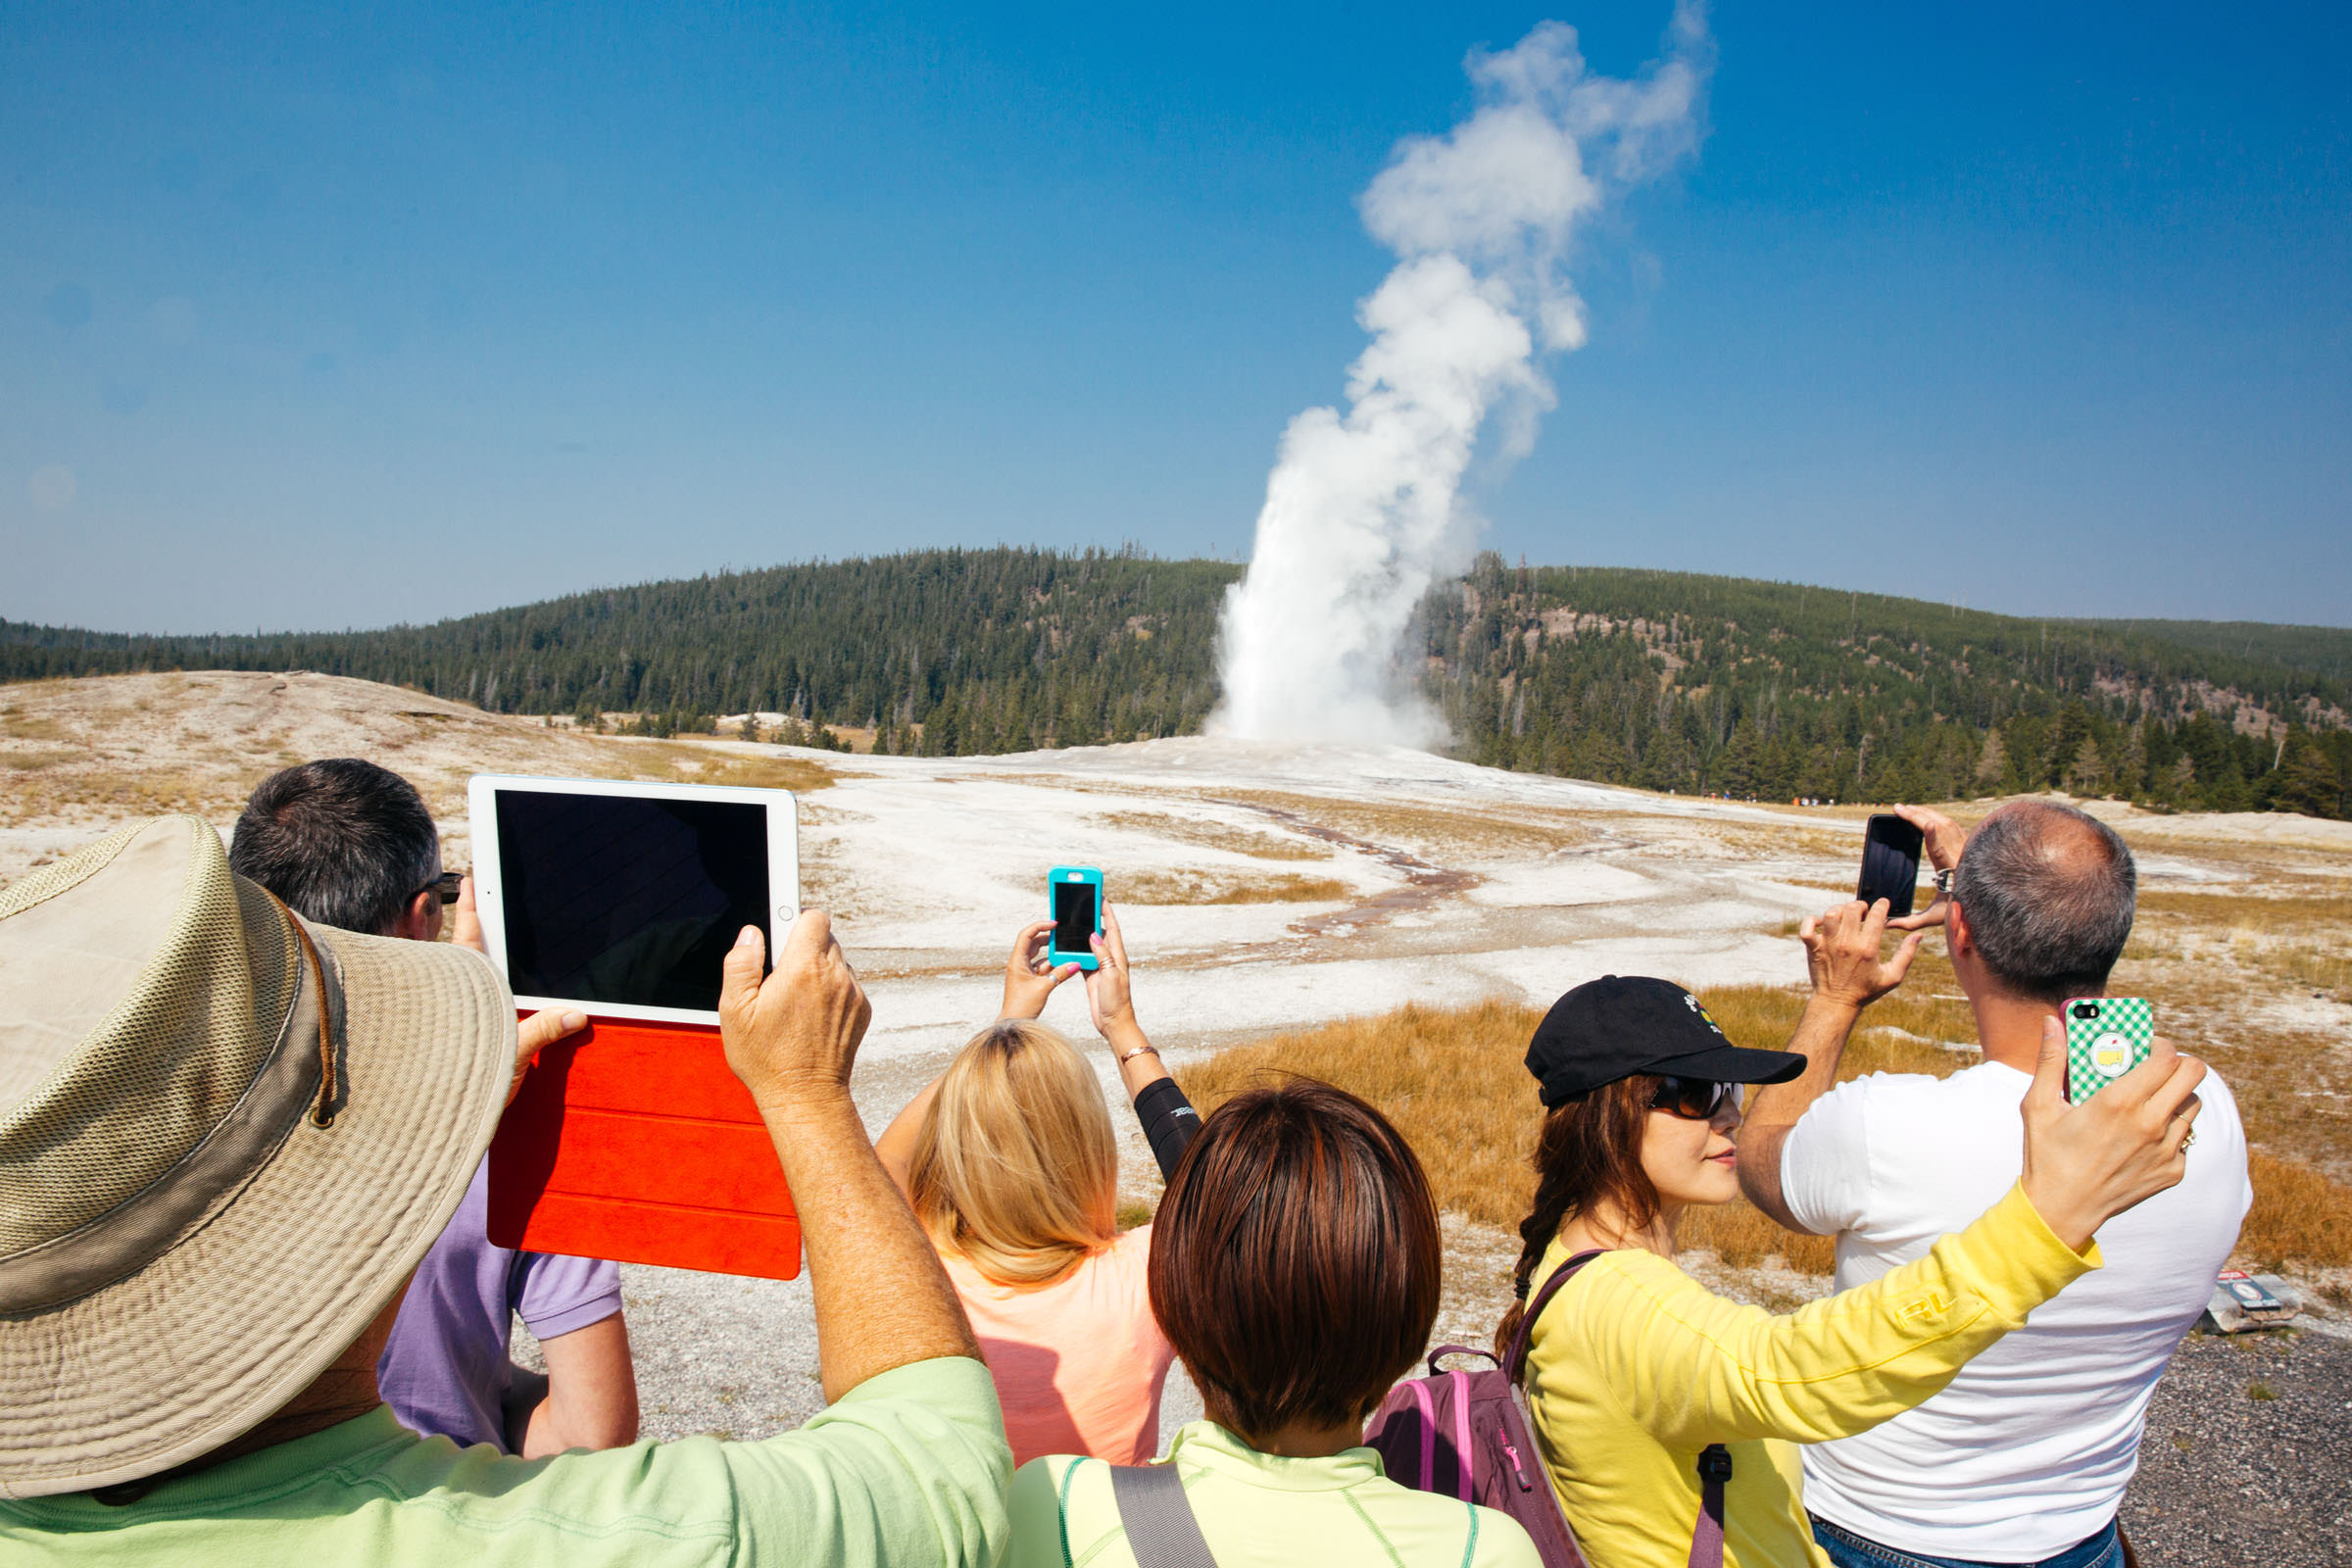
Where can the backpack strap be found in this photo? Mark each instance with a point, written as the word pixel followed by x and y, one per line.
pixel 1161 1530
pixel 1714 1460
pixel 1516 1363
pixel 1706 1535
pixel 1444 1351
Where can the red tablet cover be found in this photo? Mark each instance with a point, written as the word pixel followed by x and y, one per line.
pixel 633 1141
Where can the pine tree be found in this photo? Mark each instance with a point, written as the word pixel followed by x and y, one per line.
pixel 2087 774
pixel 1992 763
pixel 2307 780
pixel 2131 778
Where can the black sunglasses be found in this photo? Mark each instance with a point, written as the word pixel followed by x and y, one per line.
pixel 446 885
pixel 1693 1099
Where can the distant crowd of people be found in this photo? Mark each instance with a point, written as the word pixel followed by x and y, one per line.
pixel 250 1313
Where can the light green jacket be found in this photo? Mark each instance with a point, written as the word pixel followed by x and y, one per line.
pixel 1256 1508
pixel 908 1470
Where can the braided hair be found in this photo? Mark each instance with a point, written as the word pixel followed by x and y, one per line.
pixel 1589 1151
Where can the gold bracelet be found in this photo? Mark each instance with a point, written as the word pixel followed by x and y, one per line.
pixel 1138 1051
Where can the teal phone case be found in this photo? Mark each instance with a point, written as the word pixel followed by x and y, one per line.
pixel 2101 1049
pixel 1091 876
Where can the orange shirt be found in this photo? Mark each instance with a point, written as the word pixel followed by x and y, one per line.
pixel 1078 1362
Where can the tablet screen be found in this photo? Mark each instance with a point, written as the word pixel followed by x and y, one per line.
pixel 623 899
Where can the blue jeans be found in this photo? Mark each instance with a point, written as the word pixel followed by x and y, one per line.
pixel 2105 1550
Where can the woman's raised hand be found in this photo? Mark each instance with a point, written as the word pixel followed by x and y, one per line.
pixel 1029 977
pixel 1107 997
pixel 2086 1163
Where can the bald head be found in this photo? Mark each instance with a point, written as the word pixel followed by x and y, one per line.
pixel 2048 894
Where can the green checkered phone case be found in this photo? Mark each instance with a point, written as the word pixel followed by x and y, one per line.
pixel 2106 1037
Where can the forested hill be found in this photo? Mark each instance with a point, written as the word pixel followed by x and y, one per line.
pixel 1678 681
pixel 1671 680
pixel 989 650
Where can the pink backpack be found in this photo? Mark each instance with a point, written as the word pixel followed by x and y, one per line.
pixel 1466 1434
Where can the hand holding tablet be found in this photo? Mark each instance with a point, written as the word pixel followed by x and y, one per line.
pixel 633 1140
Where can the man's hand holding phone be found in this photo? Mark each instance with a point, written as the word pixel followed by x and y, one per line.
pixel 1841 954
pixel 1946 839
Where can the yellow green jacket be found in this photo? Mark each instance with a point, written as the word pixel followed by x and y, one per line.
pixel 1635 1367
pixel 1260 1510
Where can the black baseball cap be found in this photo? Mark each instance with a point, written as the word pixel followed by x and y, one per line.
pixel 1619 1025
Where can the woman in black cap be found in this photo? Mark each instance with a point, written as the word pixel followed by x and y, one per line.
pixel 1664 1410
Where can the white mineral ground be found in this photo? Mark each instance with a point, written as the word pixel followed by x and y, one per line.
pixel 1460 883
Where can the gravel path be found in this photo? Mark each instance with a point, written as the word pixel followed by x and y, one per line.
pixel 2247 1462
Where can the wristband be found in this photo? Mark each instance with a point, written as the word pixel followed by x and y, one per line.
pixel 1145 1048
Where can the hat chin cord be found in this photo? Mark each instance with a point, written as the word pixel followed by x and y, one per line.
pixel 323 1116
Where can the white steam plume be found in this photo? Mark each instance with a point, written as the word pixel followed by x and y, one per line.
pixel 1363 511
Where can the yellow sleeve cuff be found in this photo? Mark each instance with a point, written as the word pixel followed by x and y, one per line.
pixel 2017 1260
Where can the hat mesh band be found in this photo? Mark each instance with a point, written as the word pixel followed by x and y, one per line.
pixel 162 1068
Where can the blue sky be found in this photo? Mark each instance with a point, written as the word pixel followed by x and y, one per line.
pixel 325 319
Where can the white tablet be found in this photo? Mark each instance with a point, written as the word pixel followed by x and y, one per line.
pixel 621 900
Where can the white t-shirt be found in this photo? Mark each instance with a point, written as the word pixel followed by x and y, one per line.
pixel 2030 1447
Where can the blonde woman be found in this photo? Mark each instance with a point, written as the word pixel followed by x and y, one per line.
pixel 1008 1160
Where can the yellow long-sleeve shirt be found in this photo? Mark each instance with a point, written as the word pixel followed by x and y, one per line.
pixel 1635 1367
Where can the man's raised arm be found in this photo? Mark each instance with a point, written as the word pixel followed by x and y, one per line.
pixel 882 1299
pixel 1841 954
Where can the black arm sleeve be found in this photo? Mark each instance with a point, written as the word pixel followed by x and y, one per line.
pixel 1169 1122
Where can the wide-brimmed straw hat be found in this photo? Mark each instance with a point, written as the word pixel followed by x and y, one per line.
pixel 226 1136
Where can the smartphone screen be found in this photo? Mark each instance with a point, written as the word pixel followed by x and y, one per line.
pixel 630 899
pixel 1890 850
pixel 1074 916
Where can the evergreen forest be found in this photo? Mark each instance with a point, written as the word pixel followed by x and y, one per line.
pixel 1667 680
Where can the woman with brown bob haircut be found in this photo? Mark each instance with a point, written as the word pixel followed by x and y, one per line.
pixel 1295 1268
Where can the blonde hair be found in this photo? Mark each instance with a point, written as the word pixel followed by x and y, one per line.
pixel 1014 1165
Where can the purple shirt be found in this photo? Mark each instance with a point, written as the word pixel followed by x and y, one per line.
pixel 445 1371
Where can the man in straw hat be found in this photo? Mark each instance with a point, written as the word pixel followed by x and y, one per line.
pixel 227 1137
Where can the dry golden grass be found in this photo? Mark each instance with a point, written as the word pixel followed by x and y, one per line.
pixel 1743 840
pixel 796 773
pixel 33 758
pixel 1452 1079
pixel 1208 835
pixel 2300 935
pixel 16 725
pixel 1449 1078
pixel 2299 1216
pixel 1227 887
pixel 1435 832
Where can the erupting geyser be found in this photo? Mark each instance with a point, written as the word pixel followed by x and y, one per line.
pixel 1363 511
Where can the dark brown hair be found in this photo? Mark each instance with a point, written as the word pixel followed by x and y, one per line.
pixel 1589 1151
pixel 342 841
pixel 1295 1262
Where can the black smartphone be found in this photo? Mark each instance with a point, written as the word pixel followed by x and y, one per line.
pixel 1890 850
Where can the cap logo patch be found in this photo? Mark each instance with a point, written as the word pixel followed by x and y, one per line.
pixel 1704 1017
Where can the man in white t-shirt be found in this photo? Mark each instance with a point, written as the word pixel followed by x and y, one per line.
pixel 2025 1457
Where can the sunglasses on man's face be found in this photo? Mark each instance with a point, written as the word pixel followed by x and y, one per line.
pixel 446 885
pixel 1694 1099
